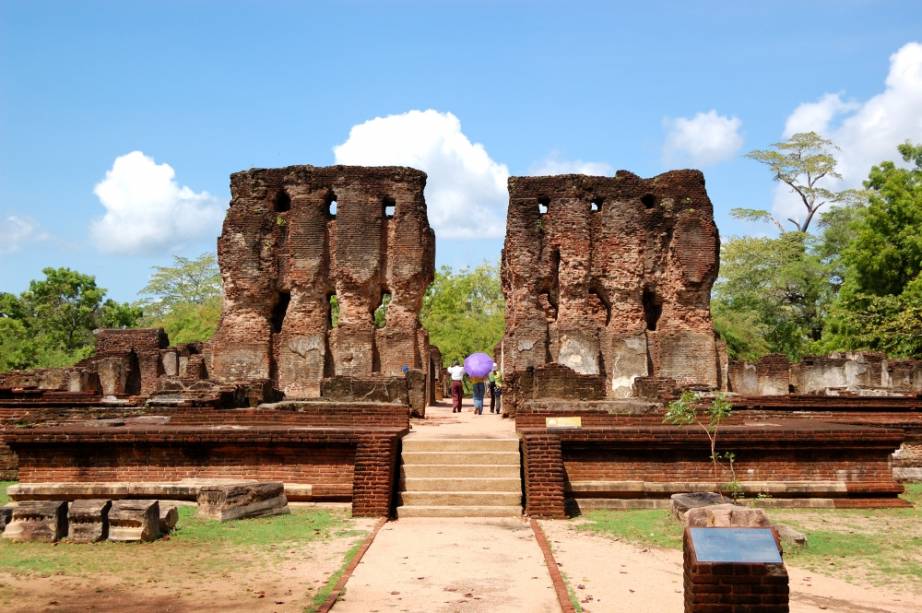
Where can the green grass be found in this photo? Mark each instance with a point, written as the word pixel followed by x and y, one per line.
pixel 883 546
pixel 327 589
pixel 653 527
pixel 3 497
pixel 299 526
pixel 571 594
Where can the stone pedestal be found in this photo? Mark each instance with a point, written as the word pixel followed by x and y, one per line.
pixel 88 520
pixel 134 520
pixel 239 501
pixel 43 521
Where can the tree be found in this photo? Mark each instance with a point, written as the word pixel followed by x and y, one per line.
pixel 802 163
pixel 51 323
pixel 771 296
pixel 184 299
pixel 684 412
pixel 464 311
pixel 188 281
pixel 880 304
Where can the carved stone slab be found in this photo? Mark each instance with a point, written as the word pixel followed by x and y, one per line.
pixel 169 515
pixel 239 501
pixel 37 520
pixel 88 520
pixel 134 520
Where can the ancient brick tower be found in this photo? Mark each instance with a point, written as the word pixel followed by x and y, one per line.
pixel 611 276
pixel 295 237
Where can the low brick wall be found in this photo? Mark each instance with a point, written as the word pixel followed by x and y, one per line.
pixel 339 463
pixel 793 459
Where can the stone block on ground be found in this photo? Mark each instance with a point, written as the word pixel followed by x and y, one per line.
pixel 169 515
pixel 681 503
pixel 88 520
pixel 726 516
pixel 134 520
pixel 6 514
pixel 791 536
pixel 43 521
pixel 242 500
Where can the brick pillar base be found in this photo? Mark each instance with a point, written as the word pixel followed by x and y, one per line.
pixel 544 476
pixel 373 480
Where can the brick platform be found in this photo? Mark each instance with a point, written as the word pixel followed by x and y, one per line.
pixel 790 460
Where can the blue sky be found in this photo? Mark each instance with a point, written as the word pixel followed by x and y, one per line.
pixel 210 88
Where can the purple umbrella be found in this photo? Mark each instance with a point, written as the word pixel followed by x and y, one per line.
pixel 478 365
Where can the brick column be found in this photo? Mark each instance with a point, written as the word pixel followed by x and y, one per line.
pixel 544 476
pixel 373 479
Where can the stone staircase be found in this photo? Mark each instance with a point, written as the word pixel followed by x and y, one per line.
pixel 460 477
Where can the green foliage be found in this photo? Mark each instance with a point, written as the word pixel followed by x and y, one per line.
pixel 684 412
pixel 771 295
pixel 51 323
pixel 647 527
pixel 802 162
pixel 880 304
pixel 464 311
pixel 188 281
pixel 184 299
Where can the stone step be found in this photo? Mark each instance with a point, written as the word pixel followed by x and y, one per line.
pixel 459 511
pixel 462 484
pixel 461 498
pixel 460 470
pixel 460 457
pixel 460 444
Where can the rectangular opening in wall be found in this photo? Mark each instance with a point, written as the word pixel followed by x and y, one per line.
pixel 333 312
pixel 380 313
pixel 652 308
pixel 390 207
pixel 280 310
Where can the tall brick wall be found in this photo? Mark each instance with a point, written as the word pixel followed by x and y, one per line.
pixel 284 251
pixel 611 276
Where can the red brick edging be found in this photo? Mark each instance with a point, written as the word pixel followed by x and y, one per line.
pixel 341 584
pixel 556 578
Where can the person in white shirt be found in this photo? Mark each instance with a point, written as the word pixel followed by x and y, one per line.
pixel 457 386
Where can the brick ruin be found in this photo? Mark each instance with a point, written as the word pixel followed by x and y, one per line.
pixel 611 278
pixel 607 283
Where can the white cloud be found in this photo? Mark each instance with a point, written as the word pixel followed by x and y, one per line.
pixel 705 139
pixel 866 132
pixel 553 165
pixel 146 209
pixel 15 231
pixel 466 191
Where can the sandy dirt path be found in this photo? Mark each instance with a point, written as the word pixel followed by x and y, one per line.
pixel 452 564
pixel 610 575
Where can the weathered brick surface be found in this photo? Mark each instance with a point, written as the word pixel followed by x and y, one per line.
pixel 717 587
pixel 841 461
pixel 283 252
pixel 611 276
pixel 544 476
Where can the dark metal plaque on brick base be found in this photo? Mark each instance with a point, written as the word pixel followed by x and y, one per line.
pixel 740 545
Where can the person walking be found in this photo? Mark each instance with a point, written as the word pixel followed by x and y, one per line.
pixel 496 390
pixel 477 392
pixel 456 372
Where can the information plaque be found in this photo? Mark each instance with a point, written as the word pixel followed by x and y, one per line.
pixel 740 545
pixel 563 422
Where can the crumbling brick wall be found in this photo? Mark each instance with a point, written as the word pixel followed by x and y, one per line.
pixel 612 276
pixel 293 237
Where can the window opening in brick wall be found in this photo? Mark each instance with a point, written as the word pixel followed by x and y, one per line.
pixel 543 204
pixel 282 202
pixel 652 308
pixel 333 312
pixel 595 205
pixel 380 313
pixel 331 205
pixel 280 310
pixel 648 200
pixel 390 207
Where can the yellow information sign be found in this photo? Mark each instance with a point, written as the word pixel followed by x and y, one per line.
pixel 563 422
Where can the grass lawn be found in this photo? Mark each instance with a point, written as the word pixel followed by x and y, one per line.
pixel 882 546
pixel 297 556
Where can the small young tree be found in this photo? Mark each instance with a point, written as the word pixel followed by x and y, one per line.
pixel 683 412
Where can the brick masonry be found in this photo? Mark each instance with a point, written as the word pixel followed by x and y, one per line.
pixel 611 277
pixel 718 587
pixel 824 460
